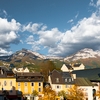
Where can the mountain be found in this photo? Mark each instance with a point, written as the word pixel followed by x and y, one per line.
pixel 86 56
pixel 83 54
pixel 33 55
pixel 28 58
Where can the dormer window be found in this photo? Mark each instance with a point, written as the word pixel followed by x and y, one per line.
pixel 66 80
pixel 70 79
pixel 57 80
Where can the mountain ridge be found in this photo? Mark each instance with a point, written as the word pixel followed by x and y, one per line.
pixel 83 54
pixel 29 58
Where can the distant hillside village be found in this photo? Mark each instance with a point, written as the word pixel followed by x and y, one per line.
pixel 21 84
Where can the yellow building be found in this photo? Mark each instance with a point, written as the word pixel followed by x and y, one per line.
pixel 7 79
pixel 20 84
pixel 27 82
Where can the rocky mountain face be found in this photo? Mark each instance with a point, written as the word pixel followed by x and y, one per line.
pixel 83 54
pixel 26 57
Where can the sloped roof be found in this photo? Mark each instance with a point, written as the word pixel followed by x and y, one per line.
pixel 4 68
pixel 28 74
pixel 68 66
pixel 61 76
pixel 29 77
pixel 83 82
pixel 76 64
pixel 91 74
pixel 66 74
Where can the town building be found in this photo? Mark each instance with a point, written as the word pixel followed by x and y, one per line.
pixel 20 84
pixel 72 67
pixel 63 80
pixel 27 82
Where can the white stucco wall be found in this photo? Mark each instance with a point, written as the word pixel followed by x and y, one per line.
pixel 64 68
pixel 79 68
pixel 88 91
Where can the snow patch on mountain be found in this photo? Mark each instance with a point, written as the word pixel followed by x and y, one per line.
pixel 37 54
pixel 83 54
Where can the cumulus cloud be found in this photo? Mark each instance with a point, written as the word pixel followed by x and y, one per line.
pixel 98 3
pixel 85 34
pixel 46 38
pixel 30 39
pixel 32 27
pixel 4 52
pixel 92 3
pixel 8 33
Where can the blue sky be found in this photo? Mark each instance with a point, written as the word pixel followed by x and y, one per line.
pixel 49 27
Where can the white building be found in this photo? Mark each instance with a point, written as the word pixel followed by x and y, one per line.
pixel 21 70
pixel 63 80
pixel 71 67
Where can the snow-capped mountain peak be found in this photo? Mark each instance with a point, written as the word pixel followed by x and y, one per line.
pixel 83 54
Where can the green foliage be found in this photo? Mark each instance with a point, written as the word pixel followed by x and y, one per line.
pixel 75 93
pixel 47 67
pixel 62 93
pixel 49 94
pixel 35 93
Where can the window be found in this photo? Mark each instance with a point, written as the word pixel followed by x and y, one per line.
pixel 39 84
pixel 11 91
pixel 18 83
pixel 69 79
pixel 26 90
pixel 39 89
pixel 10 83
pixel 25 83
pixel 5 83
pixel 66 86
pixel 58 86
pixel 32 84
pixel 57 80
pixel 66 80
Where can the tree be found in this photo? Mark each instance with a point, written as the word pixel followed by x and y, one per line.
pixel 34 93
pixel 49 94
pixel 62 93
pixel 97 94
pixel 47 67
pixel 74 93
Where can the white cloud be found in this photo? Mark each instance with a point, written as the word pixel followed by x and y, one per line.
pixel 30 39
pixel 92 3
pixel 8 33
pixel 32 27
pixel 46 38
pixel 5 13
pixel 44 28
pixel 76 15
pixel 70 21
pixel 50 38
pixel 98 3
pixel 86 33
pixel 4 52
